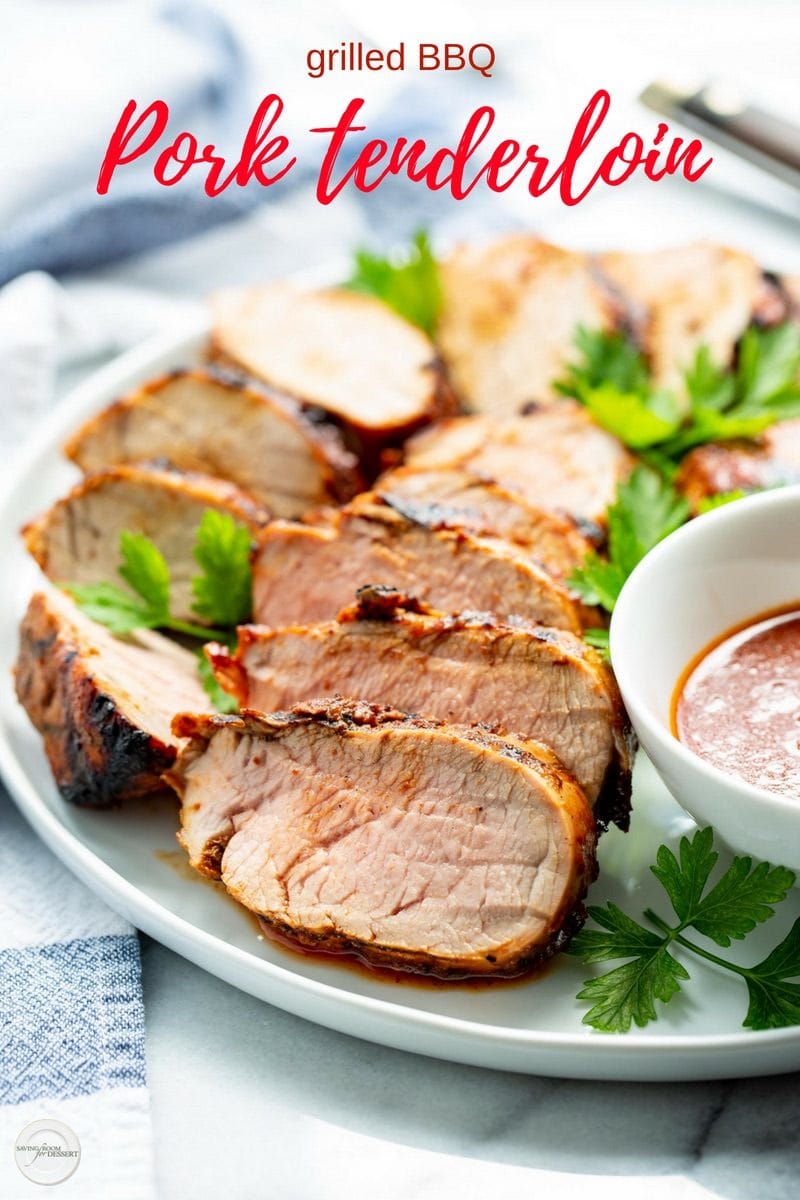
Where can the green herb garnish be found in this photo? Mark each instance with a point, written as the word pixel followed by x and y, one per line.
pixel 743 897
pixel 646 509
pixel 709 503
pixel 409 285
pixel 222 590
pixel 611 378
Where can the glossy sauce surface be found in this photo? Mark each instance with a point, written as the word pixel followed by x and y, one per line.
pixel 737 704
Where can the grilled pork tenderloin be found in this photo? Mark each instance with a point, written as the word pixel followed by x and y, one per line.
pixel 543 684
pixel 217 423
pixel 771 460
pixel 77 540
pixel 309 572
pixel 102 704
pixel 413 844
pixel 509 314
pixel 347 354
pixel 484 507
pixel 683 298
pixel 555 457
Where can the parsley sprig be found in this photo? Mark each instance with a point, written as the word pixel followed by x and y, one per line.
pixel 646 509
pixel 222 590
pixel 743 897
pixel 408 284
pixel 611 378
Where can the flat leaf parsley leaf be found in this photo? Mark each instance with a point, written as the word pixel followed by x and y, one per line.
pixel 743 897
pixel 646 509
pixel 222 590
pixel 144 567
pixel 409 284
pixel 611 378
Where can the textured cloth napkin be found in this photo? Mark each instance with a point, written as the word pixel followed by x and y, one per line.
pixel 72 1042
pixel 71 1022
pixel 72 1036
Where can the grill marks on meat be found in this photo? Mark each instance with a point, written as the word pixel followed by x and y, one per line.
pixel 555 457
pixel 509 314
pixel 540 683
pixel 486 508
pixel 415 845
pixel 220 424
pixel 77 540
pixel 308 573
pixel 346 354
pixel 684 298
pixel 769 461
pixel 102 704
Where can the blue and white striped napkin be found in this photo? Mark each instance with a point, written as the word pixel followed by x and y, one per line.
pixel 72 1044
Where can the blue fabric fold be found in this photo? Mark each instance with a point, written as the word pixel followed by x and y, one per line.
pixel 80 230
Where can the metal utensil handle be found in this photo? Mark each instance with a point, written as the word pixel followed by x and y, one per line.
pixel 761 137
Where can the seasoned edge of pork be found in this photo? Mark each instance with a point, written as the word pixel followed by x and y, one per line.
pixel 221 423
pixel 103 705
pixel 413 844
pixel 556 457
pixel 488 509
pixel 470 668
pixel 308 573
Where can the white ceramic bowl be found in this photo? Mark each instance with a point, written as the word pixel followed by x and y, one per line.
pixel 723 568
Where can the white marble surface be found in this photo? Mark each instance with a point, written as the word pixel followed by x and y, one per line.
pixel 251 1102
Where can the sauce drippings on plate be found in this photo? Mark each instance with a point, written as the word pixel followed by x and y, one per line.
pixel 737 704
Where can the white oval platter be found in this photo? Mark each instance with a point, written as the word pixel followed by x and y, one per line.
pixel 130 859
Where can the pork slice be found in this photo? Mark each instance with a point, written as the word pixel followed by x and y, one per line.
pixel 484 507
pixel 218 423
pixel 77 540
pixel 308 573
pixel 104 705
pixel 772 460
pixel 541 683
pixel 413 844
pixel 510 310
pixel 556 457
pixel 684 298
pixel 345 353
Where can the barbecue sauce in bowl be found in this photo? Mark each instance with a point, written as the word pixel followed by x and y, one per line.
pixel 737 704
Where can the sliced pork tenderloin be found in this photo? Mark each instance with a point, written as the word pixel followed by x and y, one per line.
pixel 541 683
pixel 415 845
pixel 104 705
pixel 309 572
pixel 772 460
pixel 77 540
pixel 344 353
pixel 217 423
pixel 488 509
pixel 684 298
pixel 510 310
pixel 555 457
